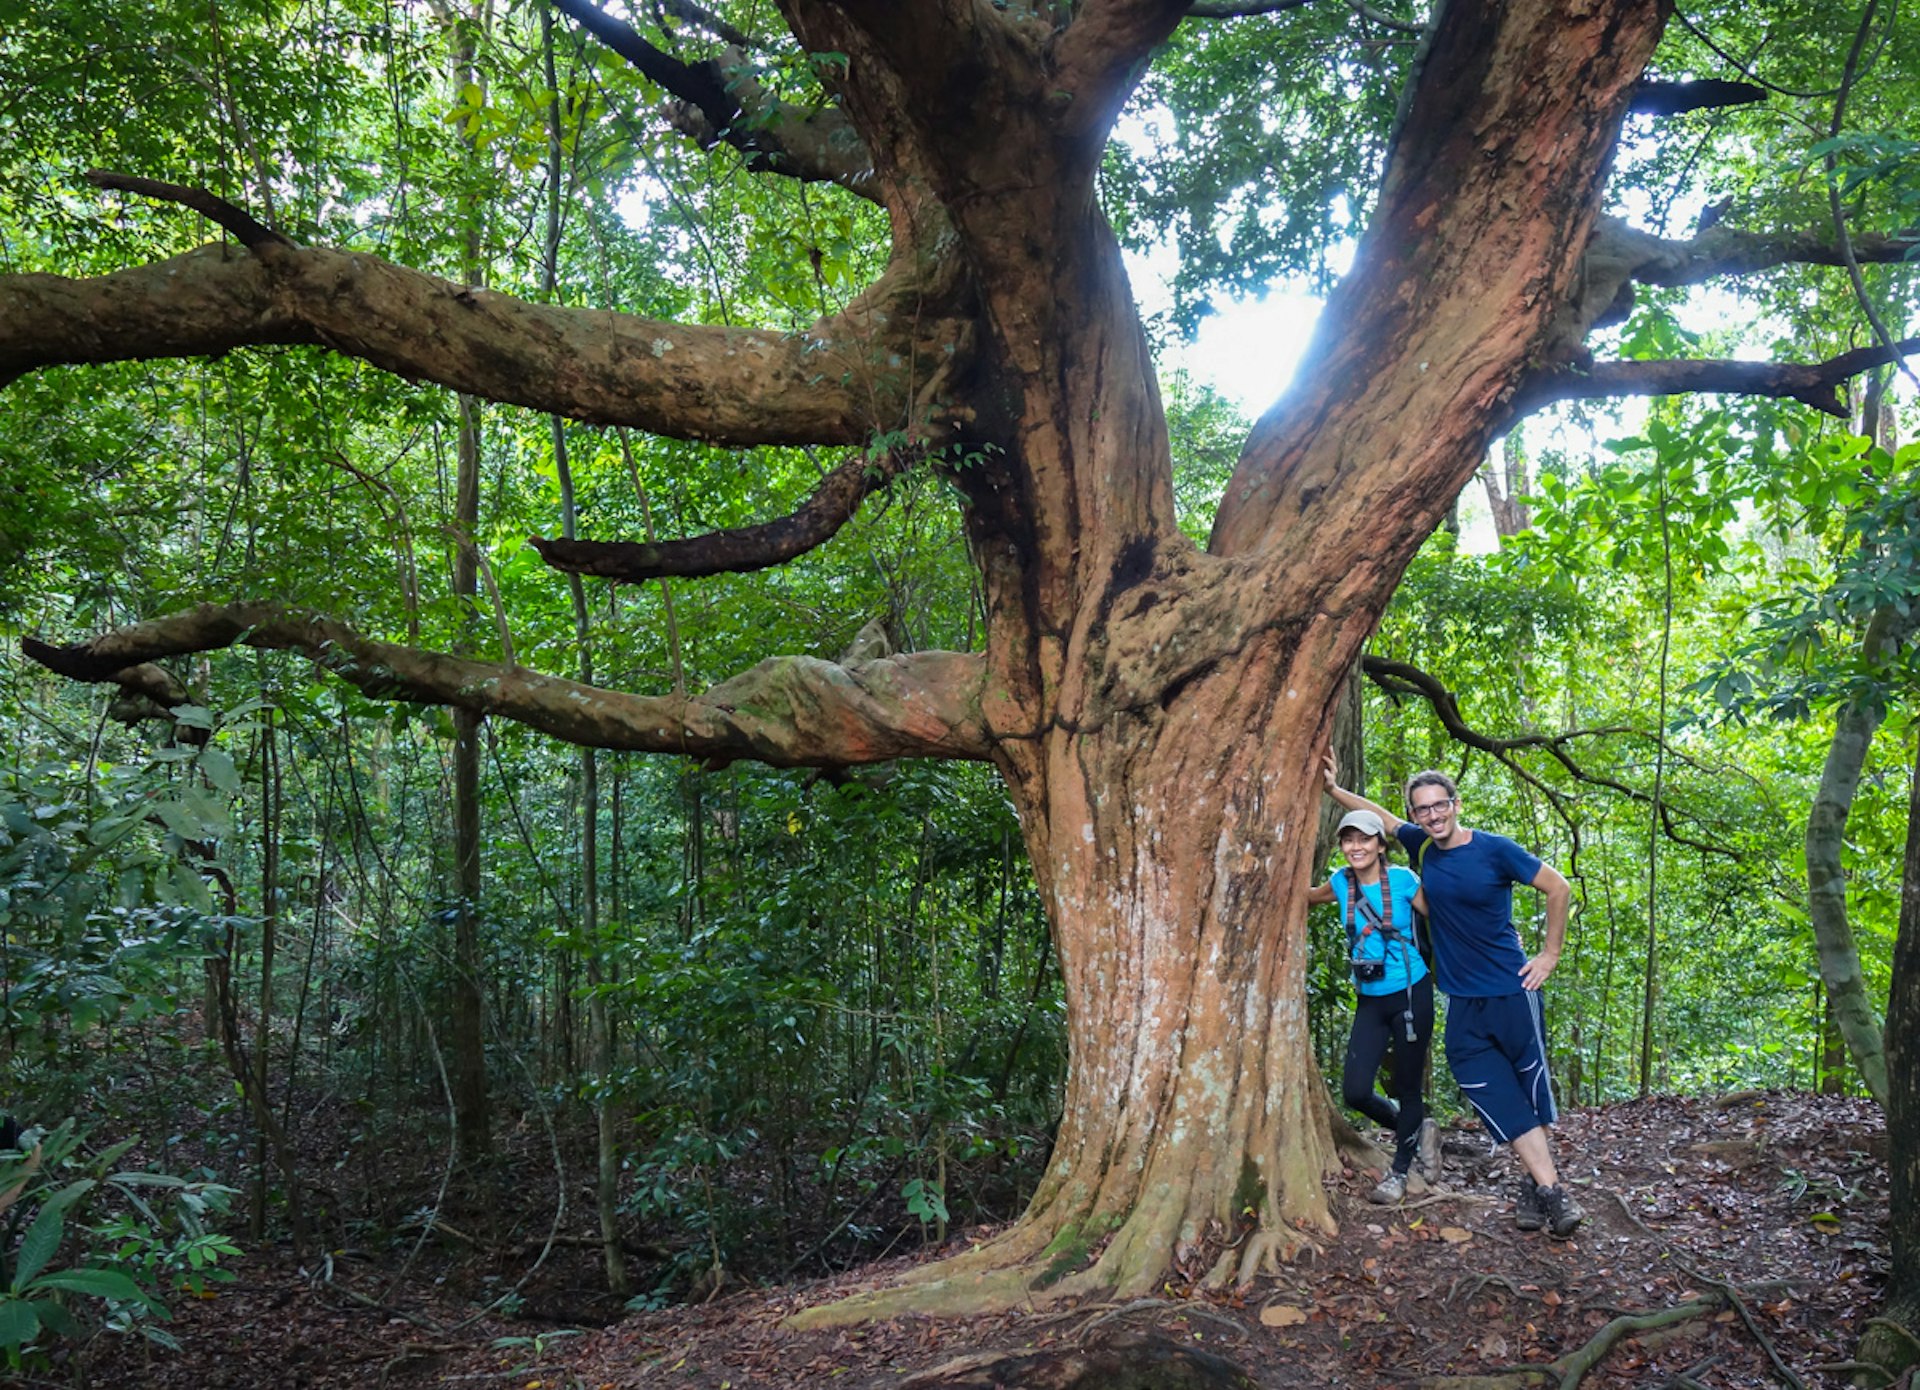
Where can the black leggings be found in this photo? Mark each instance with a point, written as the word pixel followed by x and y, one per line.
pixel 1379 1021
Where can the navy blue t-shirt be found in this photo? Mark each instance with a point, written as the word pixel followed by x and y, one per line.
pixel 1476 950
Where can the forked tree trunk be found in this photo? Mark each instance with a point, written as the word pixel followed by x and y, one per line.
pixel 1159 712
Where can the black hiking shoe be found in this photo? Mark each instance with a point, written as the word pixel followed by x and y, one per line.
pixel 1530 1212
pixel 1561 1211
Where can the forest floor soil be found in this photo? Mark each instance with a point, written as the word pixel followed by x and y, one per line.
pixel 1772 1205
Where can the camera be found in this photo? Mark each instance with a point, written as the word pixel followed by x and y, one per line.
pixel 1369 972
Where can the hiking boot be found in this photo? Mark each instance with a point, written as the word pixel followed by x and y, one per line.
pixel 1427 1154
pixel 1530 1212
pixel 1561 1211
pixel 1392 1189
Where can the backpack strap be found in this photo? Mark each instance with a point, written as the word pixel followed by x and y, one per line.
pixel 1380 919
pixel 1422 929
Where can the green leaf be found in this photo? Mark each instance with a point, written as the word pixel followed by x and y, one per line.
pixel 38 1245
pixel 218 765
pixel 19 1324
pixel 100 1283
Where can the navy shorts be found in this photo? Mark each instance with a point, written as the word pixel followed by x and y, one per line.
pixel 1497 1050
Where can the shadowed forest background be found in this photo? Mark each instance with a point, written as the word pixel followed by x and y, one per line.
pixel 654 1029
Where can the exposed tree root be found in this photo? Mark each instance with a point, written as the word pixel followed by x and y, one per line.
pixel 1889 1344
pixel 1567 1371
pixel 1470 1286
pixel 1127 1361
pixel 1022 1269
pixel 1354 1146
pixel 961 1295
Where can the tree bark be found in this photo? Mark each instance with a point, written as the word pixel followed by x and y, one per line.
pixel 1893 1343
pixel 1853 729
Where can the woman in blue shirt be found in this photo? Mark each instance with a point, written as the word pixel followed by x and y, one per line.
pixel 1395 1004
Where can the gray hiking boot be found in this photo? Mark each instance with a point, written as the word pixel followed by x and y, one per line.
pixel 1427 1154
pixel 1530 1212
pixel 1392 1189
pixel 1562 1213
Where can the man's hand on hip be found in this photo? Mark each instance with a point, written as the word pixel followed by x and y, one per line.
pixel 1534 973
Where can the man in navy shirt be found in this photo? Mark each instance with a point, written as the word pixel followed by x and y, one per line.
pixel 1496 1037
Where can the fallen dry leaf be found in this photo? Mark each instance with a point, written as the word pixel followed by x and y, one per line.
pixel 1282 1315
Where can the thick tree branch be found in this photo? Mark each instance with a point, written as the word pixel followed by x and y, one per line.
pixel 865 368
pixel 1241 9
pixel 1483 214
pixel 1655 98
pixel 1725 250
pixel 1400 678
pixel 787 711
pixel 718 100
pixel 1620 256
pixel 738 549
pixel 1813 383
pixel 1097 58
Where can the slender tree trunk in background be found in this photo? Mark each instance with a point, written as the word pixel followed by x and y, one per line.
pixel 269 940
pixel 1883 1345
pixel 249 1072
pixel 469 1041
pixel 1853 729
pixel 473 1127
pixel 1511 516
pixel 1852 1011
pixel 599 1026
pixel 1649 1006
pixel 1600 1059
pixel 599 1023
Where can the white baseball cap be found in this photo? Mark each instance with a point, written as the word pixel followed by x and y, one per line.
pixel 1366 822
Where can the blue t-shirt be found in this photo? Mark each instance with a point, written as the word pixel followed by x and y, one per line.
pixel 1476 951
pixel 1401 955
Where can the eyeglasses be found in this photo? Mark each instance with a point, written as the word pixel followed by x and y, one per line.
pixel 1433 810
